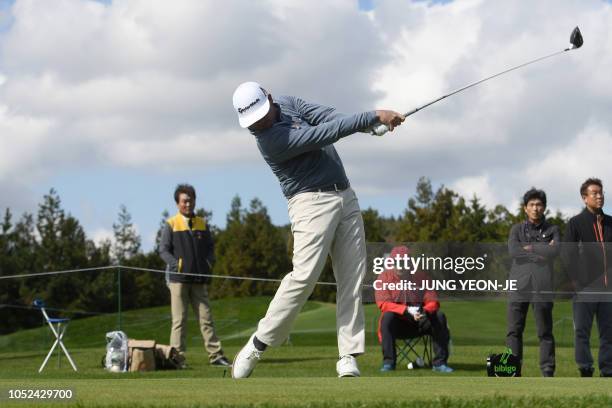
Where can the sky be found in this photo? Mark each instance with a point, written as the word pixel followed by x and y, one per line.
pixel 115 102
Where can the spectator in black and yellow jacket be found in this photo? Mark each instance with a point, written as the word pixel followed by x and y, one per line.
pixel 187 248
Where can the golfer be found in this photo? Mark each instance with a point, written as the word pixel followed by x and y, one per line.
pixel 296 139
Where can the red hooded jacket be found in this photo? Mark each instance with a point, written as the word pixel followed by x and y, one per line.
pixel 397 301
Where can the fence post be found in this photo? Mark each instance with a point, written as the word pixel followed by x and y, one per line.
pixel 118 298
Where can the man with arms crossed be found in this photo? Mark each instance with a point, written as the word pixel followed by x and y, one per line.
pixel 296 139
pixel 589 259
pixel 533 245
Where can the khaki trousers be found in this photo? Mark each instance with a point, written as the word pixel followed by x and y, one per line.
pixel 196 294
pixel 322 223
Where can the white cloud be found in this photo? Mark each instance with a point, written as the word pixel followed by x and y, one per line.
pixel 22 142
pixel 563 169
pixel 484 138
pixel 479 186
pixel 100 235
pixel 416 67
pixel 147 84
pixel 129 83
pixel 204 148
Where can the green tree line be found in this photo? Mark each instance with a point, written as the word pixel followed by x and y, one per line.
pixel 249 246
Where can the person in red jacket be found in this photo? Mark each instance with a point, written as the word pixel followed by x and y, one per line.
pixel 409 313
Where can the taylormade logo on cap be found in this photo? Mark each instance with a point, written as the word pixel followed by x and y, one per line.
pixel 250 103
pixel 242 110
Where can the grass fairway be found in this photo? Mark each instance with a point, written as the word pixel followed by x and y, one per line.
pixel 379 391
pixel 301 373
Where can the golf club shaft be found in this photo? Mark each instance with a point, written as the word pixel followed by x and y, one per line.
pixel 380 130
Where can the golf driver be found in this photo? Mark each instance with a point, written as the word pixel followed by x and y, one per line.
pixel 575 40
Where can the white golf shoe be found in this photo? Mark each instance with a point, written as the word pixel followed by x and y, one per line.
pixel 246 360
pixel 347 367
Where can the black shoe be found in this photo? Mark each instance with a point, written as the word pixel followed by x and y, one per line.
pixel 586 372
pixel 221 362
pixel 548 373
pixel 605 374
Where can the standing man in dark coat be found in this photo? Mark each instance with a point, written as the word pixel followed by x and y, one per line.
pixel 533 244
pixel 588 256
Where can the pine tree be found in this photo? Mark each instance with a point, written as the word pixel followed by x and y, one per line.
pixel 162 223
pixel 236 213
pixel 375 229
pixel 250 246
pixel 9 295
pixel 151 289
pixel 62 246
pixel 6 243
pixel 49 221
pixel 127 241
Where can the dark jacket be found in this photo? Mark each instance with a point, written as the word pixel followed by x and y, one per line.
pixel 533 269
pixel 187 251
pixel 586 253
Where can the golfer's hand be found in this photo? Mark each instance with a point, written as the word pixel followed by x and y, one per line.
pixel 418 316
pixel 390 118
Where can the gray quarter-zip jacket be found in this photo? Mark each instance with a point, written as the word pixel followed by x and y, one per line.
pixel 299 146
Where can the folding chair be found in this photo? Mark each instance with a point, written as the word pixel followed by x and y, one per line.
pixel 58 326
pixel 408 349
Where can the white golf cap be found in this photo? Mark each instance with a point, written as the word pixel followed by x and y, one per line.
pixel 251 103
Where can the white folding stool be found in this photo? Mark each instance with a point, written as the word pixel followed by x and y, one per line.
pixel 58 327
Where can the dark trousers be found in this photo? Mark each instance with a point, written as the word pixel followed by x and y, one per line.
pixel 393 327
pixel 583 322
pixel 542 311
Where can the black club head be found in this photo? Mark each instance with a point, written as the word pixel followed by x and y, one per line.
pixel 576 38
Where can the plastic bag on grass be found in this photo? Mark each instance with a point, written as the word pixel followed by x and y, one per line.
pixel 116 359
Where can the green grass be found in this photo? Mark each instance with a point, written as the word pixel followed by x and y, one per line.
pixel 301 373
pixel 319 391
